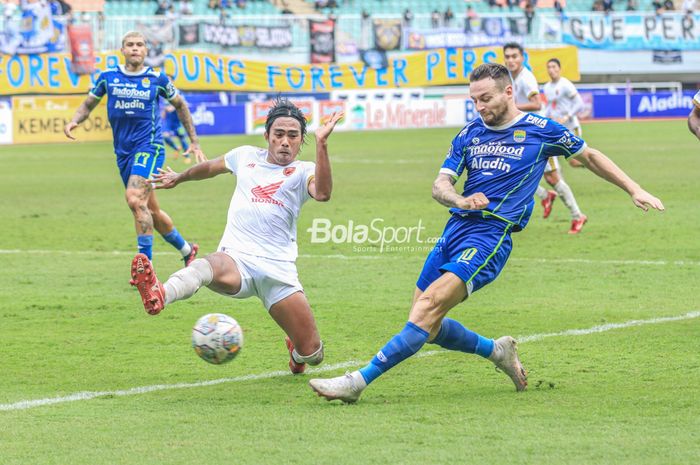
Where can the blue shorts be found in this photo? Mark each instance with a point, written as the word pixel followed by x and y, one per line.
pixel 144 162
pixel 476 250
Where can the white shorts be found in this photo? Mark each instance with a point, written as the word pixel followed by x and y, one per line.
pixel 552 165
pixel 269 280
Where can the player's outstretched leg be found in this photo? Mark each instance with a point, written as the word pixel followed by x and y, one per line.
pixel 184 283
pixel 547 198
pixel 505 357
pixel 144 278
pixel 293 314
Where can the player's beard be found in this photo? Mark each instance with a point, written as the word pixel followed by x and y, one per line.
pixel 497 116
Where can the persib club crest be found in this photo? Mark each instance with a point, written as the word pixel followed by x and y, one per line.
pixel 145 82
pixel 519 135
pixel 288 171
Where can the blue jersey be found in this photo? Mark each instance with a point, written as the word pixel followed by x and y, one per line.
pixel 132 106
pixel 507 162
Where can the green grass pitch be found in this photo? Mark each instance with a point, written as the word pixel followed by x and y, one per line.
pixel 70 323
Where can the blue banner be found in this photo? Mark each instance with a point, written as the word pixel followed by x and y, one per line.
pixel 218 119
pixel 643 105
pixel 668 31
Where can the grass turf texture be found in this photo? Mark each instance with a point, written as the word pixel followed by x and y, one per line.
pixel 71 323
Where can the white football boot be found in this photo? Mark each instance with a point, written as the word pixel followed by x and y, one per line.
pixel 346 388
pixel 505 357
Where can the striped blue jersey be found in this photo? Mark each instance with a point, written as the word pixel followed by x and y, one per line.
pixel 132 106
pixel 506 163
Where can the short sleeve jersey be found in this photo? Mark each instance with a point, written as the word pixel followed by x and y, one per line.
pixel 524 86
pixel 133 106
pixel 262 216
pixel 506 163
pixel 561 99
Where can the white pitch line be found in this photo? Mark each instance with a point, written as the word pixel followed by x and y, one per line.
pixel 360 256
pixel 88 395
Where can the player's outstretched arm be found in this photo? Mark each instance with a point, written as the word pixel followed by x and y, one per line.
pixel 604 167
pixel 321 186
pixel 167 179
pixel 185 117
pixel 80 115
pixel 445 193
pixel 694 121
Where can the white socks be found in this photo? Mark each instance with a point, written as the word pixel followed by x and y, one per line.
pixel 566 196
pixel 541 192
pixel 184 283
pixel 186 249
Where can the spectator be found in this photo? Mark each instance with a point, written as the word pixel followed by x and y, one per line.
pixel 658 7
pixel 688 6
pixel 608 6
pixel 162 8
pixel 469 18
pixel 435 19
pixel 529 16
pixel 558 8
pixel 407 17
pixel 186 7
pixel 448 16
pixel 214 4
pixel 669 6
pixel 631 5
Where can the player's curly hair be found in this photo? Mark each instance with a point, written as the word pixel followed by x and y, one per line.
pixel 495 71
pixel 282 107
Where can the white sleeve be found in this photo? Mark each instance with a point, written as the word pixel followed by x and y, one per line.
pixel 577 100
pixel 234 157
pixel 530 85
pixel 309 172
pixel 696 99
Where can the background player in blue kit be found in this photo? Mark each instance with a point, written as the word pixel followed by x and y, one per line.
pixel 504 154
pixel 133 91
pixel 173 128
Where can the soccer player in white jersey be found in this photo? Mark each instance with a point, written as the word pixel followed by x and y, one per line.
pixel 527 98
pixel 258 250
pixel 694 116
pixel 563 104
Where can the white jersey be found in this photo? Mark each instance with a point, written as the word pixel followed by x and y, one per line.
pixel 563 101
pixel 262 216
pixel 696 99
pixel 524 87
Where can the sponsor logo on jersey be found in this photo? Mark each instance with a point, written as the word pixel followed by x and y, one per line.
pixel 508 151
pixel 537 121
pixel 263 194
pixel 250 165
pixel 475 141
pixel 116 79
pixel 519 135
pixel 145 82
pixel 568 140
pixel 131 93
pixel 484 164
pixel 289 170
pixel 129 105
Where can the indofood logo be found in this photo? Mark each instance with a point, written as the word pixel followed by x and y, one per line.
pixel 508 151
pixel 125 92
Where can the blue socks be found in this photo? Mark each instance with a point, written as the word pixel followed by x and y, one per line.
pixel 170 142
pixel 175 239
pixel 454 336
pixel 399 348
pixel 145 243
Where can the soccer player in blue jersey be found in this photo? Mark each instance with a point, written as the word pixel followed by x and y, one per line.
pixel 504 154
pixel 133 91
pixel 694 116
pixel 173 128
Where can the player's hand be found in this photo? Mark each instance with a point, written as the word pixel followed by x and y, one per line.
pixel 645 200
pixel 326 128
pixel 165 179
pixel 476 201
pixel 195 149
pixel 68 128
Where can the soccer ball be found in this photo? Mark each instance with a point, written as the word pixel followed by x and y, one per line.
pixel 217 338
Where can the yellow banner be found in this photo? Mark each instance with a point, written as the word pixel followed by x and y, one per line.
pixel 52 74
pixel 41 119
